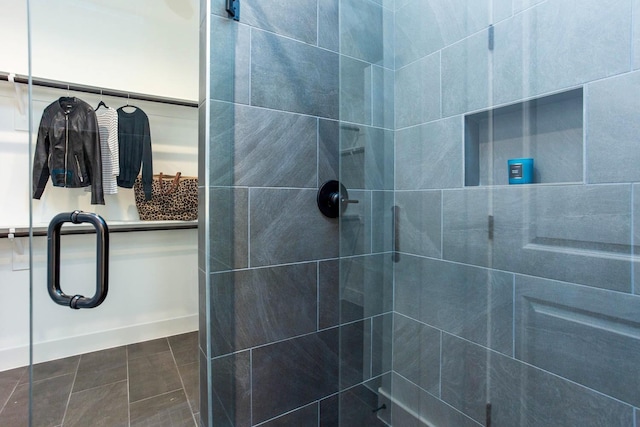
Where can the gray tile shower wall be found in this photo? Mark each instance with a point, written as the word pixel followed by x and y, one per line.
pixel 530 302
pixel 611 150
pixel 261 313
pixel 277 120
pixel 579 234
pixel 522 297
pixel 590 336
pixel 473 376
pixel 279 76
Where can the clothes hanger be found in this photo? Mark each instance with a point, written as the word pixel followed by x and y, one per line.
pixel 129 104
pixel 101 103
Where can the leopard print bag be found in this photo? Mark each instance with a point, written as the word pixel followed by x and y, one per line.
pixel 173 198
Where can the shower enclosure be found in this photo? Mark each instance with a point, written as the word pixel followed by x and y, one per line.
pixel 451 293
pixel 447 296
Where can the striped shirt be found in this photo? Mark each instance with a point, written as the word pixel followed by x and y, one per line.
pixel 108 127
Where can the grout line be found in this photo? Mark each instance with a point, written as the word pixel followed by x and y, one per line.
pixel 73 383
pixel 317 295
pixel 440 370
pixel 184 389
pixel 633 242
pixel 251 386
pixel 513 318
pixel 126 349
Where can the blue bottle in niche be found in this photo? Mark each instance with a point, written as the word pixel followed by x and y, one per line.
pixel 520 170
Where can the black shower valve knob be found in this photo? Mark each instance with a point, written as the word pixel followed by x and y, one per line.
pixel 333 199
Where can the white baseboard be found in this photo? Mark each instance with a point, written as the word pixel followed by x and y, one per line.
pixel 71 346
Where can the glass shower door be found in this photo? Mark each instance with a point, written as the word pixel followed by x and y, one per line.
pixel 133 358
pixel 494 281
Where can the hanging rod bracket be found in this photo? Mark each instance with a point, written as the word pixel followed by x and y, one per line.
pixel 19 97
pixel 233 9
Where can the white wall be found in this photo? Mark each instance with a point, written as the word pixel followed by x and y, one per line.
pixel 145 46
pixel 151 48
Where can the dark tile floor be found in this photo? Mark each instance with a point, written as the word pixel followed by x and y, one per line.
pixel 153 383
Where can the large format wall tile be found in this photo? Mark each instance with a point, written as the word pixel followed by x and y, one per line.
pixel 636 238
pixel 229 69
pixel 355 91
pixel 502 9
pixel 365 29
pixel 366 283
pixel 260 147
pixel 382 221
pixel 355 225
pixel 382 94
pixel 228 228
pixel 293 373
pixel 355 355
pixel 577 234
pixel 297 20
pixel 280 70
pixel 513 52
pixel 430 156
pixel 520 5
pixel 612 129
pixel 248 307
pixel 413 402
pixel 381 344
pixel 471 302
pixel 636 34
pixel 330 411
pixel 328 294
pixel 465 75
pixel 416 354
pixel 286 226
pixel 365 154
pixel 420 214
pixel 417 92
pixel 231 384
pixel 465 234
pixel 425 27
pixel 590 336
pixel 328 151
pixel 520 394
pixel 328 26
pixel 560 44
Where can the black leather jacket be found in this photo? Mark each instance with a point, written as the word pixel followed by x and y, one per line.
pixel 68 149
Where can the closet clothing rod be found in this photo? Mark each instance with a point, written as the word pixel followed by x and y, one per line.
pixel 96 90
pixel 115 228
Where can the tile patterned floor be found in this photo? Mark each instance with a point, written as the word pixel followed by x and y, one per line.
pixel 153 383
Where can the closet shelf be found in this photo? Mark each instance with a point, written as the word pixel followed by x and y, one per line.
pixel 97 90
pixel 116 227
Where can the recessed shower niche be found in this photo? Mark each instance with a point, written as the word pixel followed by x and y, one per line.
pixel 548 129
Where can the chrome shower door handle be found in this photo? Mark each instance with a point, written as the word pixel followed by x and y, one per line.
pixel 102 261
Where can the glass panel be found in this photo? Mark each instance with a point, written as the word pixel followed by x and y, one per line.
pixel 366 159
pixel 134 358
pixel 14 217
pixel 511 156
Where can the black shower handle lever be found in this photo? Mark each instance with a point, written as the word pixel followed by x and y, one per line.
pixel 335 199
